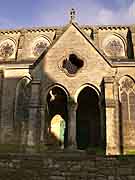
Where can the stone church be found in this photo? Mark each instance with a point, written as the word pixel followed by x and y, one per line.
pixel 70 87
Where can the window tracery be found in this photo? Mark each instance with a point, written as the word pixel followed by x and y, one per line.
pixel 39 48
pixel 114 46
pixel 127 98
pixel 7 48
pixel 40 45
pixel 72 64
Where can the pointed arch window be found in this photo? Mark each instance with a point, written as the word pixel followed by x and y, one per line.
pixel 127 98
pixel 132 105
pixel 22 98
pixel 124 106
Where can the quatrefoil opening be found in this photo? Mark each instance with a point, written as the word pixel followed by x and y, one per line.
pixel 72 64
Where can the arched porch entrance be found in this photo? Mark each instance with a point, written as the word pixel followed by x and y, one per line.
pixel 88 125
pixel 57 116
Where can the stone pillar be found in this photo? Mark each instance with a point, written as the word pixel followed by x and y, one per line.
pixel 111 142
pixel 33 113
pixel 117 116
pixel 21 41
pixel 42 116
pixel 132 28
pixel 102 119
pixel 95 36
pixel 72 107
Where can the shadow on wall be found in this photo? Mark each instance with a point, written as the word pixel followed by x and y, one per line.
pixel 130 50
pixel 17 112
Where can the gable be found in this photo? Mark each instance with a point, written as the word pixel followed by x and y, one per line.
pixel 73 41
pixel 73 38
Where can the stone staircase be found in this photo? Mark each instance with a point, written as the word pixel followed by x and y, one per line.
pixel 66 165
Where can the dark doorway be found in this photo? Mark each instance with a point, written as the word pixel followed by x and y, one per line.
pixel 57 105
pixel 88 119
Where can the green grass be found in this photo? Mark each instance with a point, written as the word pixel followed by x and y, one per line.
pixel 131 152
pixel 9 148
pixel 96 150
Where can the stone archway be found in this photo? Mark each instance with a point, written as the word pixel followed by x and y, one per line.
pixel 88 119
pixel 57 117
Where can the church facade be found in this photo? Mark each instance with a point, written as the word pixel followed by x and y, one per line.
pixel 68 87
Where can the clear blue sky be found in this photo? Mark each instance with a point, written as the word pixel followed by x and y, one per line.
pixel 29 13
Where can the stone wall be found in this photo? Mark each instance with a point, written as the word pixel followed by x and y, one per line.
pixel 66 166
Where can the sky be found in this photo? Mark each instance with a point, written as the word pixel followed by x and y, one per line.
pixel 32 13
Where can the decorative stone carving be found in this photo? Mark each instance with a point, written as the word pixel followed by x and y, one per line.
pixel 7 48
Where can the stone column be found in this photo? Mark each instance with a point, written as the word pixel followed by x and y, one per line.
pixel 33 113
pixel 117 116
pixel 72 107
pixel 111 144
pixel 95 36
pixel 102 121
pixel 42 116
pixel 132 28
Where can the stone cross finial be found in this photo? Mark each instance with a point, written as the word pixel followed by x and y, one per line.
pixel 72 15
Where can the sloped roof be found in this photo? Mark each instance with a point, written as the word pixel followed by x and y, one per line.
pixel 83 34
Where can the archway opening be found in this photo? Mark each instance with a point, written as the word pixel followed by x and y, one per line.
pixel 88 119
pixel 58 115
pixel 21 110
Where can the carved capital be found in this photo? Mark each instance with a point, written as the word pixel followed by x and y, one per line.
pixel 110 103
pixel 108 79
pixel 72 104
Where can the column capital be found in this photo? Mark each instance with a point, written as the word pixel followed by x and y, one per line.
pixel 108 79
pixel 72 104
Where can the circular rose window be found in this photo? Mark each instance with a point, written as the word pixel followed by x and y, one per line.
pixel 40 46
pixel 114 46
pixel 7 48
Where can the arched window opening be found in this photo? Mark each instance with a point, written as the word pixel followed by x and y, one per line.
pixel 124 106
pixel 88 119
pixel 132 105
pixel 72 64
pixel 127 98
pixel 127 125
pixel 21 109
pixel 57 111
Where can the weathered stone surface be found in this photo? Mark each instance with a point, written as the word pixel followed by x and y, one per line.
pixel 51 165
pixel 96 68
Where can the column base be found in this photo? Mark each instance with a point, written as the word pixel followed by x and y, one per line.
pixel 72 147
pixel 112 151
pixel 31 149
pixel 30 141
